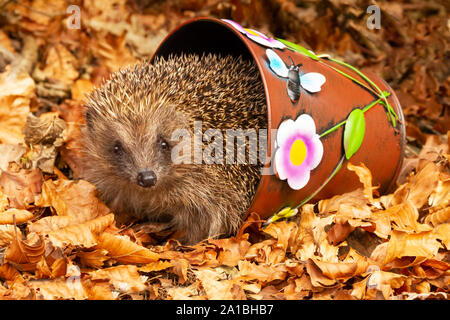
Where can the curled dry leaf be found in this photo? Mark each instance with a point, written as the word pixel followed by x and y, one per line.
pixel 419 187
pixel 366 179
pixel 123 250
pixel 180 268
pixel 47 224
pixel 284 232
pixel 45 135
pixel 9 273
pixel 341 270
pixel 440 197
pixel 217 288
pixel 401 217
pixel 403 244
pixel 45 129
pixel 77 199
pixel 25 254
pixel 70 288
pixel 231 250
pixel 83 234
pixel 15 215
pixel 123 278
pixel 10 153
pixel 60 65
pixel 8 233
pixel 94 258
pixel 262 273
pixel 266 252
pixel 16 92
pixel 438 217
pixel 156 266
pixel 21 187
pixel 442 232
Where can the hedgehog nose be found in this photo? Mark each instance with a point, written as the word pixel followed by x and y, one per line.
pixel 146 178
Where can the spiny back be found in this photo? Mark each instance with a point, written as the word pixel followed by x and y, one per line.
pixel 223 92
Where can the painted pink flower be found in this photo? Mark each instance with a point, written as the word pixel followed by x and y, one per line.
pixel 257 36
pixel 299 150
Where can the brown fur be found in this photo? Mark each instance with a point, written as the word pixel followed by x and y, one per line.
pixel 147 102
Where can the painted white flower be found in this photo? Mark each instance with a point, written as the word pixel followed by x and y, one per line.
pixel 299 150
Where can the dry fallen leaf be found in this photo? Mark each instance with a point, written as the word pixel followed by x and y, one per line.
pixel 122 278
pixel 15 215
pixel 25 254
pixel 64 197
pixel 123 250
pixel 16 92
pixel 21 187
pixel 83 234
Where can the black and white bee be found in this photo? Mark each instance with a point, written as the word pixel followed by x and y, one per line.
pixel 311 81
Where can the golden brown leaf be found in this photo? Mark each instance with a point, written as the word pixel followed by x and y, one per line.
pixel 42 269
pixel 232 250
pixel 8 233
pixel 341 270
pixel 70 288
pixel 284 232
pixel 83 234
pixel 156 266
pixel 123 250
pixel 217 288
pixel 60 65
pixel 438 217
pixel 402 217
pixel 47 224
pixel 25 254
pixel 419 187
pixel 10 153
pixel 9 273
pixel 77 199
pixel 15 215
pixel 81 88
pixel 16 91
pixel 442 232
pixel 94 259
pixel 263 273
pixel 180 268
pixel 366 179
pixel 21 187
pixel 124 278
pixel 403 244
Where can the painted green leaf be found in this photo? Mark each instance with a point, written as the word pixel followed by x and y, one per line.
pixel 299 49
pixel 355 128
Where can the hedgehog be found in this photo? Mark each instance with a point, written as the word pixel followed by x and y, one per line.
pixel 129 141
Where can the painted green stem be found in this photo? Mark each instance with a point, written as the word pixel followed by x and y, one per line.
pixel 391 113
pixel 335 171
pixel 340 124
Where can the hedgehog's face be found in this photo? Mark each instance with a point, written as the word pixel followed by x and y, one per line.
pixel 135 151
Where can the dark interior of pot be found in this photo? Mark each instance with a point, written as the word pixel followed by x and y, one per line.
pixel 203 37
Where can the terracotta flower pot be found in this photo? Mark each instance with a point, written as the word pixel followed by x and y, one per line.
pixel 326 113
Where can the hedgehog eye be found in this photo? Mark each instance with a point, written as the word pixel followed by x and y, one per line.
pixel 117 149
pixel 164 145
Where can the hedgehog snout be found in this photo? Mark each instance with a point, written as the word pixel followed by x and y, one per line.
pixel 146 178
